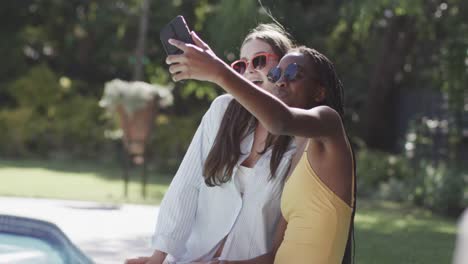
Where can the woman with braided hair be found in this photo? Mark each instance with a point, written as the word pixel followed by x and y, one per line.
pixel 318 201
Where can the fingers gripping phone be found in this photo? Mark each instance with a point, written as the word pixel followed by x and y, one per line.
pixel 176 29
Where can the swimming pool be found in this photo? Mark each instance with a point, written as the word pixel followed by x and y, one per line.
pixel 25 240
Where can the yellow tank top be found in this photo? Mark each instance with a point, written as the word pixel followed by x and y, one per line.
pixel 318 220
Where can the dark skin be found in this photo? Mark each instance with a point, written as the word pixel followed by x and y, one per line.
pixel 294 110
pixel 304 117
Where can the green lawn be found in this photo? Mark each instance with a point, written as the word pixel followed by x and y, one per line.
pixel 394 233
pixel 385 232
pixel 78 181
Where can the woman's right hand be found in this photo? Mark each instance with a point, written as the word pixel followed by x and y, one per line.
pixel 158 257
pixel 139 260
pixel 198 62
pixel 211 262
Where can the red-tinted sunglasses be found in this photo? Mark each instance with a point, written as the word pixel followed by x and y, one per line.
pixel 258 61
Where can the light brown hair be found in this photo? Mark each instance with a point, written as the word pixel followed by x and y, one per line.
pixel 238 123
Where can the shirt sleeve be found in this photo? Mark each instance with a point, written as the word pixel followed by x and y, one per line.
pixel 179 205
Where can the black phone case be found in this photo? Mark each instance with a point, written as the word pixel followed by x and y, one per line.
pixel 176 29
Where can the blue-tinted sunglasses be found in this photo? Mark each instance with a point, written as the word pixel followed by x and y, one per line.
pixel 290 73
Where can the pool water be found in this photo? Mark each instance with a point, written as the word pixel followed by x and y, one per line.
pixel 31 241
pixel 24 250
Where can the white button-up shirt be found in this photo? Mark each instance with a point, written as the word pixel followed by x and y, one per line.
pixel 194 218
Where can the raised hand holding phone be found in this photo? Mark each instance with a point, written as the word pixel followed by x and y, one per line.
pixel 197 62
pixel 176 29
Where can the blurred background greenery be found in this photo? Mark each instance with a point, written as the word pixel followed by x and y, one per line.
pixel 404 65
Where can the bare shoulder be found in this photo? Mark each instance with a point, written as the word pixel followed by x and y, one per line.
pixel 329 114
pixel 334 166
pixel 331 121
pixel 331 156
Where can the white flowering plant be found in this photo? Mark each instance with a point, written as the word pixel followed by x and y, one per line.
pixel 133 96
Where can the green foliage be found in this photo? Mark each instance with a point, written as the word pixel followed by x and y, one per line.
pixel 375 168
pixel 16 130
pixel 200 91
pixel 171 138
pixel 50 117
pixel 78 127
pixel 36 95
pixel 246 16
pixel 38 89
pixel 441 188
pixel 433 60
pixel 58 55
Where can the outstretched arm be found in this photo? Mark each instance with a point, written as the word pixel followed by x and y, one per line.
pixel 199 62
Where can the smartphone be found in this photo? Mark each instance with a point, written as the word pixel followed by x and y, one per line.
pixel 176 29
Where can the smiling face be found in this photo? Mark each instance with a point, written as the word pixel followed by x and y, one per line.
pixel 258 76
pixel 302 90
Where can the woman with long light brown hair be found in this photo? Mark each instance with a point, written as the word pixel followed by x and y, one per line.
pixel 224 201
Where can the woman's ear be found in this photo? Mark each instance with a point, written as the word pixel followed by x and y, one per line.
pixel 320 94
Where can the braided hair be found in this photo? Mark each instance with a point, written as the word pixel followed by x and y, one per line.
pixel 325 74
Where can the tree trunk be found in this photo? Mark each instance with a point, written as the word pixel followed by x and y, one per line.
pixel 140 49
pixel 382 100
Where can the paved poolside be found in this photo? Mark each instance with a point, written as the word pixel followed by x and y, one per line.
pixel 108 234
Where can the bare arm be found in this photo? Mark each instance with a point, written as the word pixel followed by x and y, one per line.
pixel 199 62
pixel 158 257
pixel 275 115
pixel 279 235
pixel 263 259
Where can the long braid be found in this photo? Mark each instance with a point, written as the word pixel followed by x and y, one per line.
pixel 328 78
